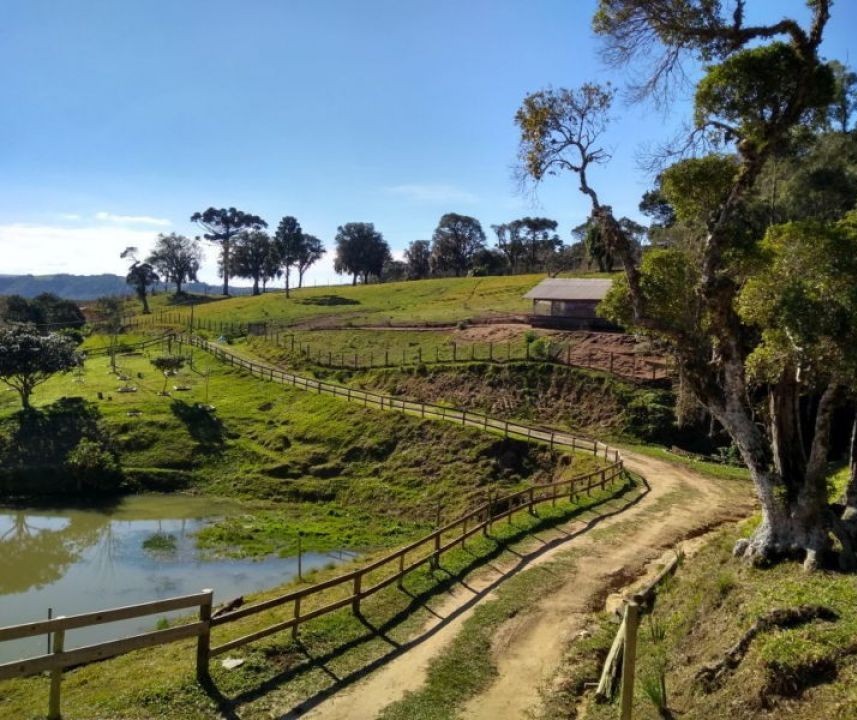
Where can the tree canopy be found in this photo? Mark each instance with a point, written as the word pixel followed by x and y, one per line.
pixel 361 251
pixel 255 256
pixel 221 225
pixel 28 358
pixel 456 239
pixel 177 258
pixel 734 297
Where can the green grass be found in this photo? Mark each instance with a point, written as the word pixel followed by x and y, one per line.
pixel 446 300
pixel 279 673
pixel 345 476
pixel 715 469
pixel 160 542
pixel 806 672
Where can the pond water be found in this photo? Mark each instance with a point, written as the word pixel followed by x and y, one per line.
pixel 79 560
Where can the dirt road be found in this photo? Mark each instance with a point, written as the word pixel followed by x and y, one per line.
pixel 527 649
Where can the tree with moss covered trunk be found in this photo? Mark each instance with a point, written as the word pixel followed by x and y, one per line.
pixel 29 358
pixel 767 371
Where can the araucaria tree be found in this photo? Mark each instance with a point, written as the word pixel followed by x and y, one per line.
pixel 761 320
pixel 221 226
pixel 176 258
pixel 255 256
pixel 28 358
pixel 361 251
pixel 456 239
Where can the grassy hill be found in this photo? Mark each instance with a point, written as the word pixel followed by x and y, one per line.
pixel 349 476
pixel 447 300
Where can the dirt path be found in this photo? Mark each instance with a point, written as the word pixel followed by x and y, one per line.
pixel 528 649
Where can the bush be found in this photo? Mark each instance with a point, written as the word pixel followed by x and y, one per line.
pixel 93 467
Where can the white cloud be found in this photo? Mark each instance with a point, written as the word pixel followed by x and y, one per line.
pixel 69 216
pixel 48 249
pixel 131 219
pixel 431 193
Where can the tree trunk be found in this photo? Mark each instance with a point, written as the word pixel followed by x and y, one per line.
pixel 287 273
pixel 354 279
pixel 255 286
pixel 145 302
pixel 849 496
pixel 301 278
pixel 178 287
pixel 796 517
pixel 226 267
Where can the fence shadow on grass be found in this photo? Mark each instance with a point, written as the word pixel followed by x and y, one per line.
pixel 609 507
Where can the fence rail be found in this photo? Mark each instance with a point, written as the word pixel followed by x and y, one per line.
pixel 358 584
pixel 61 659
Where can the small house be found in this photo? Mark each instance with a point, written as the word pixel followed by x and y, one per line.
pixel 569 304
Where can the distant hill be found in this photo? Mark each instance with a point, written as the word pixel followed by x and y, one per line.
pixel 85 287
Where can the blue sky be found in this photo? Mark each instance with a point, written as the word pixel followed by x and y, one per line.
pixel 121 119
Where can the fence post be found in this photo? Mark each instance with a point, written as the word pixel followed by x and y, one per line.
pixel 488 513
pixel 355 603
pixel 629 658
pixel 491 351
pixel 454 352
pixel 401 579
pixel 203 641
pixel 532 501
pixel 56 676
pixel 297 616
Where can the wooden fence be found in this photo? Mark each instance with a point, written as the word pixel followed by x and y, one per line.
pixel 508 428
pixel 357 584
pixel 60 658
pixel 629 366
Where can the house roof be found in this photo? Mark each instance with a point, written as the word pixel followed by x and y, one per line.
pixel 569 289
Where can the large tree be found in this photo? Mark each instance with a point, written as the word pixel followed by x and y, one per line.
pixel 456 239
pixel 762 83
pixel 255 256
pixel 28 358
pixel 289 241
pixel 361 251
pixel 142 277
pixel 539 240
pixel 510 243
pixel 418 259
pixel 177 258
pixel 221 226
pixel 311 251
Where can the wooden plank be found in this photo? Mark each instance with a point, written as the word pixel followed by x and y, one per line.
pixel 278 627
pixel 42 627
pixel 100 651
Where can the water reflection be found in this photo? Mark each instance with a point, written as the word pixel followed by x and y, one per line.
pixel 75 561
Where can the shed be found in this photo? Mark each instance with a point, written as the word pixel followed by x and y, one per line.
pixel 569 303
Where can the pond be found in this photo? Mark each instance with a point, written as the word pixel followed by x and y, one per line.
pixel 78 560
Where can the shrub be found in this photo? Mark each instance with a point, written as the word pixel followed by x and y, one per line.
pixel 93 467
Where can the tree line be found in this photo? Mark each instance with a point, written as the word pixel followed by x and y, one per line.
pixel 458 247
